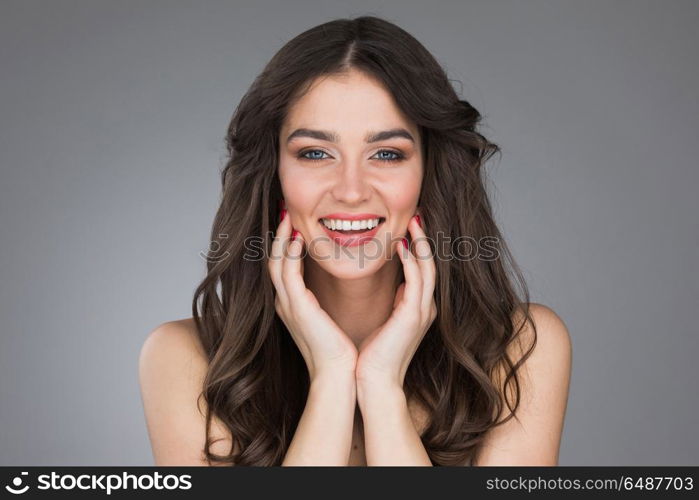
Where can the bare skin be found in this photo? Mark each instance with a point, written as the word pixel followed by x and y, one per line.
pixel 172 367
pixel 175 426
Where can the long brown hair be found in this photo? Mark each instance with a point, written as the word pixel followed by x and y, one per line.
pixel 257 381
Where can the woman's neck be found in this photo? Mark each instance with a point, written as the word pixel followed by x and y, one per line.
pixel 358 306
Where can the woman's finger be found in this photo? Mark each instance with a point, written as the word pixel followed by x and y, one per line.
pixel 425 260
pixel 276 260
pixel 399 295
pixel 291 269
pixel 413 280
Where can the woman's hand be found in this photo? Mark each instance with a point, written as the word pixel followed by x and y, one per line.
pixel 326 349
pixel 385 354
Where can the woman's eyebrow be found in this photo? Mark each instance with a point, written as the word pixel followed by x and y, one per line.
pixel 324 135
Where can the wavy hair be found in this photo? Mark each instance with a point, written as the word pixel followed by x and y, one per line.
pixel 257 382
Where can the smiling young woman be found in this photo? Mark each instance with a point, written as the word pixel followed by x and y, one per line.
pixel 353 338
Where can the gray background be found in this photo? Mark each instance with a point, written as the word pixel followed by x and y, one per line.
pixel 112 118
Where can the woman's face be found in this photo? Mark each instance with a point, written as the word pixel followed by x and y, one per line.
pixel 330 164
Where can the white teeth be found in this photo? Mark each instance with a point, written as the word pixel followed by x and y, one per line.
pixel 346 225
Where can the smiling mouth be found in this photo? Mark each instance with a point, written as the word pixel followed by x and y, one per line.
pixel 352 231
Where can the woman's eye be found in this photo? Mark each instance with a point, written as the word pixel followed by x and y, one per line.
pixel 396 155
pixel 303 154
pixel 392 156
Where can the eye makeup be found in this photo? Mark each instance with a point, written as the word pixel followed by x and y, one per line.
pixel 396 155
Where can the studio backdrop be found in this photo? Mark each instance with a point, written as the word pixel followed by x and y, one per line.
pixel 112 124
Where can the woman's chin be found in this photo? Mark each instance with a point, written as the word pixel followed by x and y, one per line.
pixel 350 268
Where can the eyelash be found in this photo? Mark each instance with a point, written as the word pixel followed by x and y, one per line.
pixel 398 156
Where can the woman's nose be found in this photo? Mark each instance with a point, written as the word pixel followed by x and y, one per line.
pixel 352 185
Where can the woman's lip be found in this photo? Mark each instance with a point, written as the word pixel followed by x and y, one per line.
pixel 351 240
pixel 346 216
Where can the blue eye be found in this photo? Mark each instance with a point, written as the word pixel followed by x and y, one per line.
pixel 396 155
pixel 303 156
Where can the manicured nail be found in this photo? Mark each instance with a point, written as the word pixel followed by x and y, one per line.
pixel 417 218
pixel 282 215
pixel 293 235
pixel 405 242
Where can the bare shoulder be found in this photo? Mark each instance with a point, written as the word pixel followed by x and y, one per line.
pixel 548 337
pixel 545 346
pixel 170 334
pixel 174 338
pixel 172 366
pixel 533 437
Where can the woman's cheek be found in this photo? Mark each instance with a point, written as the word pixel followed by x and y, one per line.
pixel 404 195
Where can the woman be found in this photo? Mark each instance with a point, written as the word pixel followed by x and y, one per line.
pixel 350 344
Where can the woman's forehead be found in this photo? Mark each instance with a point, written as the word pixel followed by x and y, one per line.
pixel 347 107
